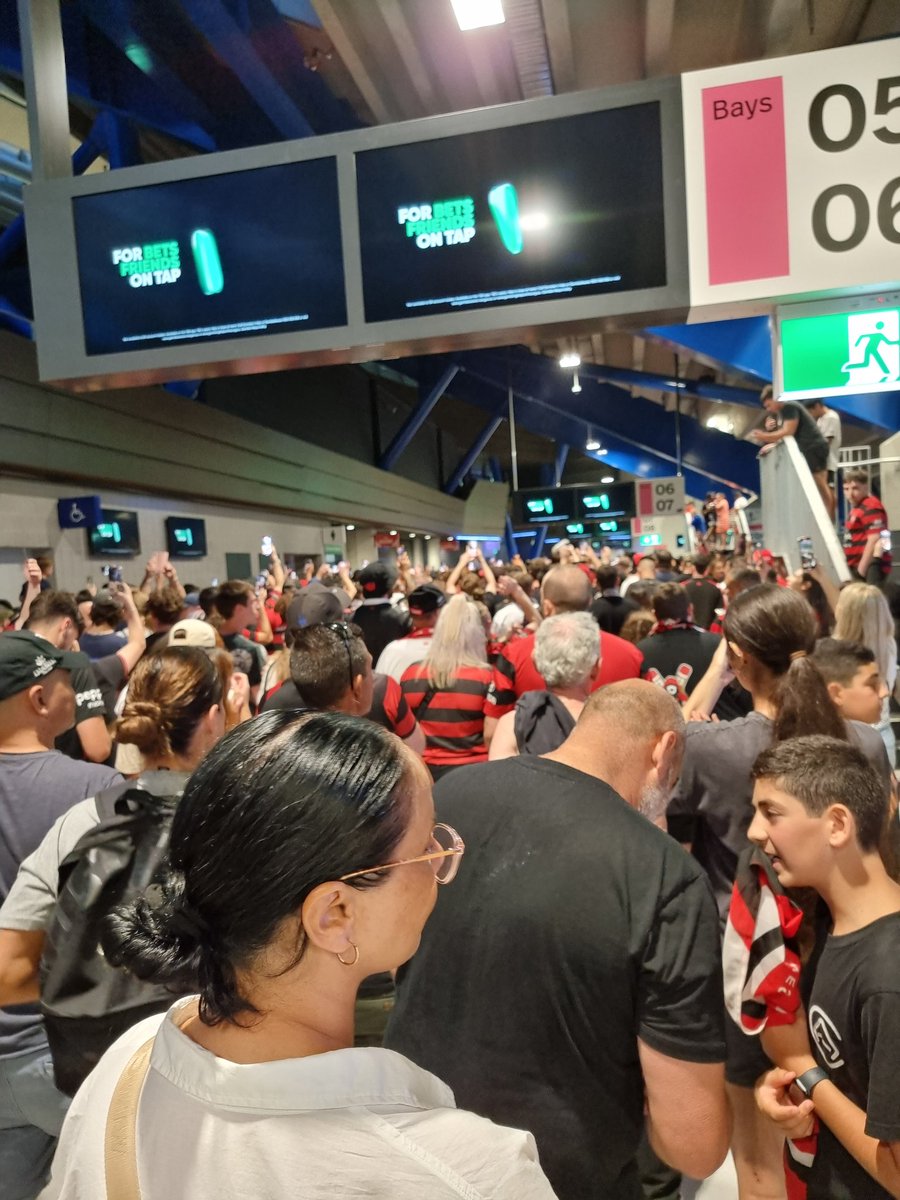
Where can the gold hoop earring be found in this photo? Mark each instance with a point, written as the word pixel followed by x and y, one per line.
pixel 354 960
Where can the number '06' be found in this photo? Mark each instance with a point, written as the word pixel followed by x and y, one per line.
pixel 887 97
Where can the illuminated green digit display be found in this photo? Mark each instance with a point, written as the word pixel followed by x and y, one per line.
pixel 207 262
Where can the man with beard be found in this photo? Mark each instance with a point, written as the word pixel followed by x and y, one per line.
pixel 569 983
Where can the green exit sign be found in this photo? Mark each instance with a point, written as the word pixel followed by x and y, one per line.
pixel 839 352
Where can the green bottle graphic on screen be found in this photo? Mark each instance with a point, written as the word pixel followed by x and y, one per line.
pixel 504 205
pixel 207 262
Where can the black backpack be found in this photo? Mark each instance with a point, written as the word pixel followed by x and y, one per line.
pixel 86 1002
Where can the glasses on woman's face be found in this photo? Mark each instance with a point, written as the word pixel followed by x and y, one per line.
pixel 445 850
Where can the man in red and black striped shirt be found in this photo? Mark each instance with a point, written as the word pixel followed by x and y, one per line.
pixel 865 549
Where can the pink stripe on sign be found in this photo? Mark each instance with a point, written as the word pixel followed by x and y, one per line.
pixel 746 181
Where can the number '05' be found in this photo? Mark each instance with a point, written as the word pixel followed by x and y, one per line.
pixel 887 97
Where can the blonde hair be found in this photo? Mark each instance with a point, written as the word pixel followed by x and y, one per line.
pixel 459 641
pixel 862 615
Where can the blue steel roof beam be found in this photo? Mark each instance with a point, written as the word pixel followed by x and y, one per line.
pixel 467 462
pixel 634 420
pixel 544 419
pixel 283 55
pixel 652 382
pixel 417 418
pixel 744 343
pixel 235 48
pixel 149 70
pixel 133 102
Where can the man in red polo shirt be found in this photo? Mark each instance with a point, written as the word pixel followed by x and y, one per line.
pixel 868 553
pixel 564 589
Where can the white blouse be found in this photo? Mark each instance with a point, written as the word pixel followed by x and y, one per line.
pixel 353 1123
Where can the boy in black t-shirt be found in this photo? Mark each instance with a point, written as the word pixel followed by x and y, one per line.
pixel 820 813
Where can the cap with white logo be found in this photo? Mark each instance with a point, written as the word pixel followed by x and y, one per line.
pixel 26 659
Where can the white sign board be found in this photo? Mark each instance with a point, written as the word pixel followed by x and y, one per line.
pixel 793 174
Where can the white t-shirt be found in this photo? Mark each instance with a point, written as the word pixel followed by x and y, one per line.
pixel 358 1122
pixel 830 428
pixel 402 653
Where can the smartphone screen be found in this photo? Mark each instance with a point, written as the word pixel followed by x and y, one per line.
pixel 807 556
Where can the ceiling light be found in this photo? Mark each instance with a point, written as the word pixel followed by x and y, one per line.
pixel 576 386
pixel 349 528
pixel 392 532
pixel 427 537
pixel 721 422
pixel 608 479
pixel 412 535
pixel 568 361
pixel 592 444
pixel 474 14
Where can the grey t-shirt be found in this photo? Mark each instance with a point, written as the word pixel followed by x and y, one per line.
pixel 36 789
pixel 712 807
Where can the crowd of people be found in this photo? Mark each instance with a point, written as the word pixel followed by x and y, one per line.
pixel 226 813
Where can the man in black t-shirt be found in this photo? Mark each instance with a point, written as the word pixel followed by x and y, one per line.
pixel 380 622
pixel 704 596
pixel 797 423
pixel 820 812
pixel 572 973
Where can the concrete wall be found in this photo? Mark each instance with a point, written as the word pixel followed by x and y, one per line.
pixel 148 441
pixel 28 522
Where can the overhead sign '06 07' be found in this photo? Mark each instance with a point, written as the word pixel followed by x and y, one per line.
pixel 845 96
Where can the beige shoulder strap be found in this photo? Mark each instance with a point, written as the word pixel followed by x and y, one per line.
pixel 120 1147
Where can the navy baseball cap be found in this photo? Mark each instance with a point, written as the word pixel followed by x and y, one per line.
pixel 26 659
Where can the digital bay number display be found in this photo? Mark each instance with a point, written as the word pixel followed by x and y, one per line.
pixel 199 260
pixel 571 207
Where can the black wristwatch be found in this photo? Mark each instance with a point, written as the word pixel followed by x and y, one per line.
pixel 808 1080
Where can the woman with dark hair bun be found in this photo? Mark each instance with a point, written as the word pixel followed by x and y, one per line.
pixel 304 856
pixel 769 635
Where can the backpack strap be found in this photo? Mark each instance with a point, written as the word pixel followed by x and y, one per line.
pixel 120 1141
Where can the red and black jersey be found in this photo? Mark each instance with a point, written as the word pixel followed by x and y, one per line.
pixel 867 518
pixel 515 672
pixel 389 707
pixel 452 718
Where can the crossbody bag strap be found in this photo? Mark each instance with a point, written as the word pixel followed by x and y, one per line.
pixel 120 1143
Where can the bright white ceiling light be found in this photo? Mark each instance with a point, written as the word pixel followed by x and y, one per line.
pixel 349 528
pixel 393 532
pixel 412 535
pixel 721 422
pixel 608 479
pixel 569 361
pixel 427 537
pixel 474 14
pixel 592 444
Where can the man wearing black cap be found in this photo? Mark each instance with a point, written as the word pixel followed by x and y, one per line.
pixel 37 785
pixel 378 619
pixel 425 604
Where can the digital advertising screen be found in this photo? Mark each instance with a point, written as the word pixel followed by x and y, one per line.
pixel 198 260
pixel 583 510
pixel 116 536
pixel 186 537
pixel 570 207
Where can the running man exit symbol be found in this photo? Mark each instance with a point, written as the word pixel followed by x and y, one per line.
pixel 873 347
